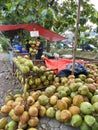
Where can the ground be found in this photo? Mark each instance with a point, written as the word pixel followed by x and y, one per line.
pixel 8 82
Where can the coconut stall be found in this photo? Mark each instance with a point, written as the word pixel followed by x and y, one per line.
pixel 71 100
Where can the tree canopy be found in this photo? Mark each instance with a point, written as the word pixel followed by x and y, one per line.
pixel 48 13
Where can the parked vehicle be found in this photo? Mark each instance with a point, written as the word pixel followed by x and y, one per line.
pixel 88 47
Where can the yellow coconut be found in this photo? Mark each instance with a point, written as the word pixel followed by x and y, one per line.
pixel 10 102
pixel 5 109
pixel 35 94
pixel 33 111
pixel 14 104
pixel 19 99
pixel 74 110
pixel 42 111
pixel 77 100
pixel 24 117
pixel 68 100
pixel 61 105
pixel 53 100
pixel 30 101
pixel 37 105
pixel 18 110
pixel 32 129
pixel 65 115
pixel 3 122
pixel 33 122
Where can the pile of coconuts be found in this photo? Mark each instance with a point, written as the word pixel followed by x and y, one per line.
pixel 34 47
pixel 36 76
pixel 70 100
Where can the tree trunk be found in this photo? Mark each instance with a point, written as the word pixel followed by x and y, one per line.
pixel 76 37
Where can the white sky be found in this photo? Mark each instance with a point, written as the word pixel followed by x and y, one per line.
pixel 95 2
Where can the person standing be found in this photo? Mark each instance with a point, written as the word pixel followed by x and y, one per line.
pixel 27 46
pixel 40 49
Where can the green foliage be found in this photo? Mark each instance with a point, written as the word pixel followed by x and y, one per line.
pixel 48 13
pixel 4 42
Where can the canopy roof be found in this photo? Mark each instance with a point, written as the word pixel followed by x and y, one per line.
pixel 49 35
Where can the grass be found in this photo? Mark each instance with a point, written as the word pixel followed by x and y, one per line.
pixel 83 54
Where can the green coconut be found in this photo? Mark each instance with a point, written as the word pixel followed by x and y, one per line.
pixel 84 126
pixel 3 122
pixel 95 126
pixel 89 120
pixel 86 108
pixel 49 91
pixel 83 90
pixel 64 92
pixel 50 112
pixel 43 100
pixel 74 86
pixel 82 77
pixel 76 120
pixel 12 125
pixel 58 115
pixel 95 105
pixel 94 99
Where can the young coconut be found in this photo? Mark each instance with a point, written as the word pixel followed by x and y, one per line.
pixel 50 112
pixel 24 117
pixel 53 100
pixel 74 110
pixel 33 111
pixel 13 116
pixel 61 105
pixel 18 110
pixel 32 129
pixel 65 115
pixel 90 120
pixel 76 120
pixel 42 111
pixel 3 122
pixel 5 109
pixel 77 100
pixel 33 122
pixel 58 116
pixel 30 101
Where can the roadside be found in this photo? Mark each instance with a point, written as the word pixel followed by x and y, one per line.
pixel 9 83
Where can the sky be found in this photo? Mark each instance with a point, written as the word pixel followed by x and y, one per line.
pixel 95 2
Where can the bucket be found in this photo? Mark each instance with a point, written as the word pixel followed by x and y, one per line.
pixel 17 47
